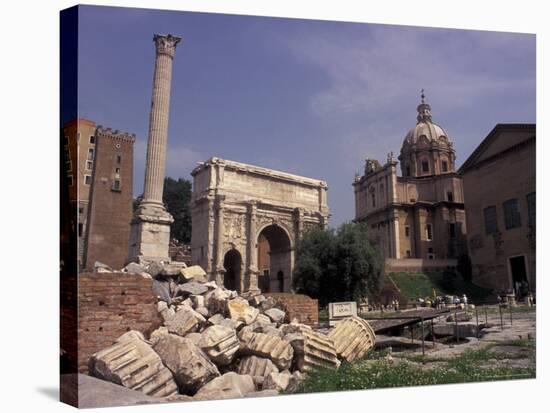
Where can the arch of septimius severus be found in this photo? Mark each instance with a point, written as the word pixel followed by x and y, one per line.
pixel 247 222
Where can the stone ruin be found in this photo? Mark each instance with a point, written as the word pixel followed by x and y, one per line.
pixel 216 344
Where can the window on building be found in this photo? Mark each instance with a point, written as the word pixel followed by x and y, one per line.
pixel 407 170
pixel 67 155
pixel 490 218
pixel 66 140
pixel 450 196
pixel 92 139
pixel 430 250
pixel 425 166
pixel 444 166
pixel 87 179
pixel 116 185
pixel 408 253
pixel 117 171
pixel 80 210
pixel 531 209
pixel 90 154
pixel 89 165
pixel 80 229
pixel 511 214
pixel 70 180
pixel 373 199
pixel 429 232
pixel 452 230
pixel 407 231
pixel 118 159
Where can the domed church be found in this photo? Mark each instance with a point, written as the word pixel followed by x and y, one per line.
pixel 419 214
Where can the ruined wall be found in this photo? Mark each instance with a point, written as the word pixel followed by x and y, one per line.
pixel 417 265
pixel 299 306
pixel 109 305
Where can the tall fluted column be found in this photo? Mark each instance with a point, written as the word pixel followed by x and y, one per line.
pixel 150 233
pixel 158 119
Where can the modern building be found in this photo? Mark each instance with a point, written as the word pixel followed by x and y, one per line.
pixel 500 201
pixel 99 167
pixel 420 214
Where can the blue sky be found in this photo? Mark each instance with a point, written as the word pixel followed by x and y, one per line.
pixel 313 98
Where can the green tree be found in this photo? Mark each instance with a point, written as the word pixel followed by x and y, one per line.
pixel 337 265
pixel 176 198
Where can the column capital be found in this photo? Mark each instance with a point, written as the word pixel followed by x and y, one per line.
pixel 166 44
pixel 252 206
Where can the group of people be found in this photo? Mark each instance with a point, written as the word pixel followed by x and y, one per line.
pixel 393 305
pixel 440 301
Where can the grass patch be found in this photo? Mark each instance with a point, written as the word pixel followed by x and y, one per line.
pixel 374 372
pixel 419 358
pixel 421 285
pixel 516 343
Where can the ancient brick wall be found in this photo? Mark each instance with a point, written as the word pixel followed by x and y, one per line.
pixel 109 305
pixel 110 209
pixel 299 306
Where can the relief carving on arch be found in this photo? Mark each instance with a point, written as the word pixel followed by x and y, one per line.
pixel 233 226
pixel 264 220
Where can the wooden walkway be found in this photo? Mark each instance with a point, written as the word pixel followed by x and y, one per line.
pixel 403 319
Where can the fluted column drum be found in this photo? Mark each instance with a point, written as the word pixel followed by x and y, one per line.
pixel 158 119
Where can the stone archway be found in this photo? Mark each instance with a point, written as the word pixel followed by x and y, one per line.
pixel 234 203
pixel 232 263
pixel 274 259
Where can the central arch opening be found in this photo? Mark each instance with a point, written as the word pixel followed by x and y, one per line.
pixel 232 262
pixel 274 260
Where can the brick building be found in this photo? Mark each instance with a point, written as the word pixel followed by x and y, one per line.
pixel 500 202
pixel 99 166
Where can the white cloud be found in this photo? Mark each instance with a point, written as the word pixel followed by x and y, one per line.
pixel 375 73
pixel 384 65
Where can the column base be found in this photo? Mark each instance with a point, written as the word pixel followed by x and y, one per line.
pixel 218 276
pixel 150 234
pixel 252 281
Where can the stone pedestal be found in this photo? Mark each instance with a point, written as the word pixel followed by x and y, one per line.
pixel 150 235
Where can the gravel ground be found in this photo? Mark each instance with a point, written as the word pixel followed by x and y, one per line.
pixel 500 340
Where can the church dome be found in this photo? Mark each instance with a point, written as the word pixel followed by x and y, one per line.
pixel 427 149
pixel 425 127
pixel 428 129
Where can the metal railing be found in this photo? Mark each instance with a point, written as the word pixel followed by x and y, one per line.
pixel 480 310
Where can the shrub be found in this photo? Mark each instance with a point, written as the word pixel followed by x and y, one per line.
pixel 337 265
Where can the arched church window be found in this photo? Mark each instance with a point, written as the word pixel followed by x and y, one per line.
pixel 444 166
pixel 425 166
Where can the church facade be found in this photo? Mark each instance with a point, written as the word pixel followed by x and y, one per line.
pixel 419 214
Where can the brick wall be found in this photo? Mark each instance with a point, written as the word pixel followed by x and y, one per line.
pixel 299 306
pixel 110 209
pixel 109 305
pixel 417 265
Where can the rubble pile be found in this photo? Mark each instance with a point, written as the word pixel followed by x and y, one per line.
pixel 217 344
